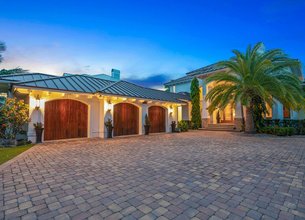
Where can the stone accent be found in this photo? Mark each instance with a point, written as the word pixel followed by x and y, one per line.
pixel 205 122
pixel 238 122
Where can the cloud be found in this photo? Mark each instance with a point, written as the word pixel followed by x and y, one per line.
pixel 56 50
pixel 154 81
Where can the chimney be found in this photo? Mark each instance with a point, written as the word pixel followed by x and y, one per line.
pixel 116 74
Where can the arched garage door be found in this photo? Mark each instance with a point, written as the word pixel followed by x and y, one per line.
pixel 125 119
pixel 156 116
pixel 65 119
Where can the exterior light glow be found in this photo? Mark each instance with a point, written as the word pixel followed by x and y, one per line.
pixel 109 106
pixel 171 110
pixel 37 102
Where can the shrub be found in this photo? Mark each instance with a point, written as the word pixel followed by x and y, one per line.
pixel 183 126
pixel 291 131
pixel 294 126
pixel 13 116
pixel 267 130
pixel 195 99
pixel 279 131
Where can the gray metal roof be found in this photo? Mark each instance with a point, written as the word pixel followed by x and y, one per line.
pixel 23 77
pixel 73 83
pixel 190 75
pixel 124 88
pixel 88 84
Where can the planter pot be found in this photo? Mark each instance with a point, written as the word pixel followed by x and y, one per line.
pixel 146 128
pixel 39 132
pixel 173 126
pixel 109 132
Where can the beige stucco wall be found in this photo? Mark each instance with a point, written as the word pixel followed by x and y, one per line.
pixel 99 110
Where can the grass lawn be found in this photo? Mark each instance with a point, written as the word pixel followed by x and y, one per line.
pixel 8 153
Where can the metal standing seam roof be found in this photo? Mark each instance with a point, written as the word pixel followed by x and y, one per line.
pixel 132 90
pixel 89 84
pixel 190 75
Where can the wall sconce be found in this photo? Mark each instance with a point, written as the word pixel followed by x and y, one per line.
pixel 109 106
pixel 37 107
pixel 171 110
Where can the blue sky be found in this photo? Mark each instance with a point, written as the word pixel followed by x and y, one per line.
pixel 150 41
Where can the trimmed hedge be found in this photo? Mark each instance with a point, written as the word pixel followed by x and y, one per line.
pixel 279 131
pixel 283 127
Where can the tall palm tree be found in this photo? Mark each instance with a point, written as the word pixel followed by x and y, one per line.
pixel 2 49
pixel 256 75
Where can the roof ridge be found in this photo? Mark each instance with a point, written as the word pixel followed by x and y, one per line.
pixel 210 65
pixel 60 77
pixel 149 88
pixel 107 87
pixel 22 74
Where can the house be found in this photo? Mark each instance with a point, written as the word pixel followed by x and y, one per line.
pixel 76 106
pixel 231 116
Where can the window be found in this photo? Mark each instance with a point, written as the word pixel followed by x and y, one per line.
pixel 286 112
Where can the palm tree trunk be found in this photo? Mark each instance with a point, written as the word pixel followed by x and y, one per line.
pixel 249 122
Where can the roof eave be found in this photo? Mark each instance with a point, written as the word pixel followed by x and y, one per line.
pixel 93 93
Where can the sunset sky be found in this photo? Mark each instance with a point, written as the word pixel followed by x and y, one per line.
pixel 150 41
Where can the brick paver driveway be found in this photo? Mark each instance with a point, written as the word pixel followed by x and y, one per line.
pixel 197 175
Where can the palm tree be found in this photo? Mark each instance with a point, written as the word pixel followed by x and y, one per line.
pixel 2 49
pixel 256 75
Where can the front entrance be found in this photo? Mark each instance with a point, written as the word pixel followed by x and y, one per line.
pixel 226 115
pixel 65 119
pixel 157 118
pixel 125 119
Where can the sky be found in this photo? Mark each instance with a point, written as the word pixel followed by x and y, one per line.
pixel 150 41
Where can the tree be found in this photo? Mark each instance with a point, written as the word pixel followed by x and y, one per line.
pixel 195 99
pixel 2 49
pixel 13 116
pixel 11 71
pixel 254 76
pixel 17 70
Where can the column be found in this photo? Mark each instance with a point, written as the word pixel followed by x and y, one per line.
pixel 294 115
pixel 238 118
pixel 205 114
pixel 277 110
pixel 144 112
pixel 35 115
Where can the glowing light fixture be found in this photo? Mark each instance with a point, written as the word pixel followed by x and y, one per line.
pixel 110 106
pixel 171 110
pixel 37 106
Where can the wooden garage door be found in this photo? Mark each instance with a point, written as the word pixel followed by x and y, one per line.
pixel 156 116
pixel 64 119
pixel 125 119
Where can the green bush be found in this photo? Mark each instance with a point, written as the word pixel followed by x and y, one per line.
pixel 267 130
pixel 279 131
pixel 295 126
pixel 183 126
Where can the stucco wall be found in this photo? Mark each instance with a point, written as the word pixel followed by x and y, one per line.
pixel 98 111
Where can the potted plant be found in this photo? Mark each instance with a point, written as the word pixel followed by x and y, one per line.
pixel 218 117
pixel 109 128
pixel 173 125
pixel 38 129
pixel 147 125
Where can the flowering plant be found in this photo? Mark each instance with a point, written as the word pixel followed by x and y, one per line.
pixel 13 116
